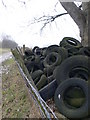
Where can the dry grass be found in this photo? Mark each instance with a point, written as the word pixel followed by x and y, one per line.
pixel 4 50
pixel 16 101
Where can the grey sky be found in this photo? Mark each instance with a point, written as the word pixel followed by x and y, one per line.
pixel 16 18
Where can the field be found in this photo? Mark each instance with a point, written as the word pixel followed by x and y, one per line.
pixel 16 100
pixel 4 50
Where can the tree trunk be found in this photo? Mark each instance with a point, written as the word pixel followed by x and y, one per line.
pixel 81 18
pixel 86 30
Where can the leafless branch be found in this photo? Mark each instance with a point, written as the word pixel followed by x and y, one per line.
pixel 46 19
pixel 55 6
pixel 4 4
pixel 23 2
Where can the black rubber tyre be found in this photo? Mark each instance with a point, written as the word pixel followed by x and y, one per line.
pixel 71 44
pixel 38 51
pixel 34 49
pixel 75 97
pixel 52 59
pixel 63 53
pixel 44 51
pixel 36 80
pixel 48 71
pixel 48 91
pixel 42 82
pixel 36 74
pixel 51 48
pixel 75 102
pixel 28 53
pixel 50 78
pixel 75 93
pixel 28 64
pixel 80 73
pixel 65 70
pixel 32 66
pixel 29 58
pixel 39 61
pixel 85 51
pixel 60 50
pixel 66 109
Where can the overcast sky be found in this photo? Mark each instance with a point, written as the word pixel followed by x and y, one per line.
pixel 16 19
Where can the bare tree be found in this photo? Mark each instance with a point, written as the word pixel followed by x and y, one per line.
pixel 46 19
pixel 80 16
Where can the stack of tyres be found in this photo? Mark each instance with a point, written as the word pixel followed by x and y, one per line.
pixel 62 72
pixel 72 76
pixel 71 44
pixel 41 62
pixel 71 95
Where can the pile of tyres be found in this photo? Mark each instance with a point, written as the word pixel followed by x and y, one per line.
pixel 62 72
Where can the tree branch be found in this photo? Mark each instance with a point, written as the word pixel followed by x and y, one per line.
pixel 47 19
pixel 22 2
pixel 76 14
pixel 3 3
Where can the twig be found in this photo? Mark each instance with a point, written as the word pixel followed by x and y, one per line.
pixel 4 4
pixel 46 19
pixel 22 2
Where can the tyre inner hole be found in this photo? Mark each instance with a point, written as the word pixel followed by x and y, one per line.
pixel 72 42
pixel 38 52
pixel 74 97
pixel 79 72
pixel 52 59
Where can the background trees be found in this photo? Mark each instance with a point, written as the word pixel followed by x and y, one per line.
pixel 7 42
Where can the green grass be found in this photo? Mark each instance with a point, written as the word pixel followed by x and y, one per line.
pixel 8 61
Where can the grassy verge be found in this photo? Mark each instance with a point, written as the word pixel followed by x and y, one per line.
pixel 16 101
pixel 4 50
